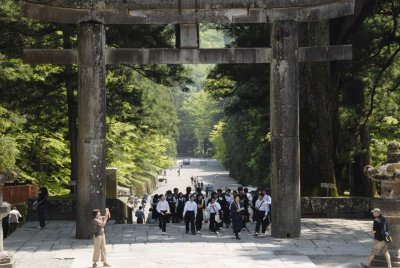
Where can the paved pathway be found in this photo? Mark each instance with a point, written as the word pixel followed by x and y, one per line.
pixel 324 242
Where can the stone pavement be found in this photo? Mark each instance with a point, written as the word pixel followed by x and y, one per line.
pixel 324 242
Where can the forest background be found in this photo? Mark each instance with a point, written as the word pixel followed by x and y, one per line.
pixel 349 111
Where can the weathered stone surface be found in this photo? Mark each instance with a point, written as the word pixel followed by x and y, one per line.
pixel 336 207
pixel 325 53
pixel 91 125
pixel 285 131
pixel 179 12
pixel 183 4
pixel 187 56
pixel 111 183
pixel 393 152
pixel 59 209
pixel 50 56
pixel 188 35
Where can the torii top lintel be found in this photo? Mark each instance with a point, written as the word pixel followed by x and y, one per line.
pixel 184 11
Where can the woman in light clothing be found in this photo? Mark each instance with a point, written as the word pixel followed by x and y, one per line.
pixel 99 238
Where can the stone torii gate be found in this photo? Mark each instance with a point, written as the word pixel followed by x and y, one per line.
pixel 92 56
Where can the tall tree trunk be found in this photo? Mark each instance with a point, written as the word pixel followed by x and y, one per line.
pixel 361 185
pixel 72 112
pixel 316 125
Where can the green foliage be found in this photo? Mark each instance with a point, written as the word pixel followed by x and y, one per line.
pixel 199 112
pixel 10 131
pixel 141 109
pixel 217 139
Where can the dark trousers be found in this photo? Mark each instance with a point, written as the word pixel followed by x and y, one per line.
pixel 237 224
pixel 162 221
pixel 199 220
pixel 226 216
pixel 41 211
pixel 246 215
pixel 214 226
pixel 263 222
pixel 13 227
pixel 189 218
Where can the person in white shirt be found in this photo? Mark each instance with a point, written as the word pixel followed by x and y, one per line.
pixel 164 212
pixel 268 199
pixel 213 208
pixel 13 219
pixel 189 214
pixel 261 210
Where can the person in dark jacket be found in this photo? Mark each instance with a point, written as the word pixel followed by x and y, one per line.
pixel 380 229
pixel 41 205
pixel 236 212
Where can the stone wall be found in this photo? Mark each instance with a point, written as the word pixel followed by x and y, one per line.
pixel 336 207
pixel 312 207
pixel 65 209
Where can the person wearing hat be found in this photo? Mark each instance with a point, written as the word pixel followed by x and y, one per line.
pixel 380 229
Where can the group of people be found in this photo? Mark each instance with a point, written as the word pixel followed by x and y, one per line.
pixel 229 208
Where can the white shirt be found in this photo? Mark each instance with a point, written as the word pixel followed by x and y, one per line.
pixel 262 205
pixel 249 197
pixel 162 206
pixel 190 206
pixel 267 199
pixel 214 207
pixel 228 198
pixel 14 215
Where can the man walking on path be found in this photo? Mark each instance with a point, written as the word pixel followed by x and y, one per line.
pixel 261 214
pixel 380 229
pixel 13 219
pixel 189 214
pixel 164 212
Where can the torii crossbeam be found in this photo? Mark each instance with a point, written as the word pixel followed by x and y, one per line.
pixel 92 56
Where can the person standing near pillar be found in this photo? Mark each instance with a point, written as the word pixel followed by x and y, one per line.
pixel 41 205
pixel 189 214
pixel 236 212
pixel 261 215
pixel 99 238
pixel 163 214
pixel 268 199
pixel 380 229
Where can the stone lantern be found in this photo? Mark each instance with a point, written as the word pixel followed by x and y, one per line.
pixel 388 174
pixel 6 260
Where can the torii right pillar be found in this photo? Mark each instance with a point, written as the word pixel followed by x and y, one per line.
pixel 286 211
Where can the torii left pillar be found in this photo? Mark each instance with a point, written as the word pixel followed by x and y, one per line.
pixel 285 130
pixel 91 124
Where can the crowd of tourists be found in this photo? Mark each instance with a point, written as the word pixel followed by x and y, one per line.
pixel 222 208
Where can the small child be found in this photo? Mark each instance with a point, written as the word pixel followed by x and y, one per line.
pixel 139 216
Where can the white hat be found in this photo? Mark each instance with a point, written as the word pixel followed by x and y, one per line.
pixel 376 210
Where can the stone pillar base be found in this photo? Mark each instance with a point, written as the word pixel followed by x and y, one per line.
pixel 12 264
